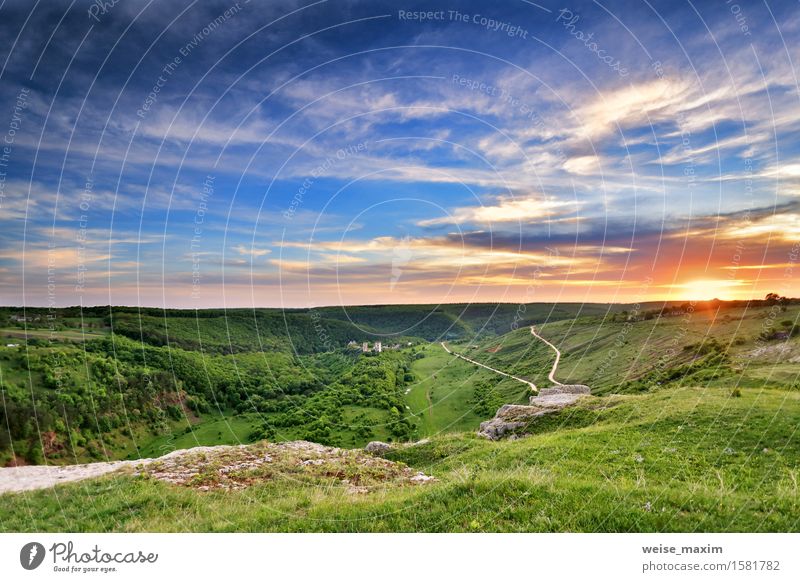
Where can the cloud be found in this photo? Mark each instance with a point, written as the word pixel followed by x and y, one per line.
pixel 251 251
pixel 583 165
pixel 507 209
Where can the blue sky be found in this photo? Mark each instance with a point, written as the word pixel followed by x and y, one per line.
pixel 198 154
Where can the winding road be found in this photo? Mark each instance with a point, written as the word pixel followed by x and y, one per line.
pixel 533 387
pixel 552 375
pixel 471 361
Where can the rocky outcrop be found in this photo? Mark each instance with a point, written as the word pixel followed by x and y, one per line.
pixel 514 419
pixel 560 396
pixel 237 467
pixel 378 448
pixel 302 462
pixel 555 400
pixel 511 419
pixel 566 389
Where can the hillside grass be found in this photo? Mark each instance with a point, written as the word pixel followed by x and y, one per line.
pixel 443 396
pixel 611 354
pixel 686 459
pixel 228 429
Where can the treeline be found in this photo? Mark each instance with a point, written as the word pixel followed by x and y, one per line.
pixel 301 330
pixel 269 331
pixel 64 398
pixel 374 383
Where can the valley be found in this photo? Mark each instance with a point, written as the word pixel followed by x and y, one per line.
pixel 692 406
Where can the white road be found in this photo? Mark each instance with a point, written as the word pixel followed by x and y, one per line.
pixel 552 375
pixel 471 361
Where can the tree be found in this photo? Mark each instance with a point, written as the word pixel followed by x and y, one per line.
pixel 772 298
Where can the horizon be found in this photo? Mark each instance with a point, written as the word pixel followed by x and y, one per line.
pixel 310 157
pixel 278 307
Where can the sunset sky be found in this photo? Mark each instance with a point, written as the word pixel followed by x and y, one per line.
pixel 203 154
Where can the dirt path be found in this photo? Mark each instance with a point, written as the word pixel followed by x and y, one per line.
pixel 495 370
pixel 15 479
pixel 430 406
pixel 552 375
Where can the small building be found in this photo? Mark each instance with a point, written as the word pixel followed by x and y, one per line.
pixel 378 347
pixel 365 347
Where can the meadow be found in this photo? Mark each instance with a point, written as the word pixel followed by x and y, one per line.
pixel 692 425
pixel 689 459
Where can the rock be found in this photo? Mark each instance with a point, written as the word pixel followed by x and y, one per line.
pixel 511 418
pixel 565 389
pixel 419 443
pixel 230 468
pixel 378 448
pixel 559 400
pixel 422 478
pixel 559 396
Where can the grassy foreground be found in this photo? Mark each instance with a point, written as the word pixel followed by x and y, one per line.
pixel 686 459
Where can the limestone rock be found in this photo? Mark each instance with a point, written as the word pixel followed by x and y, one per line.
pixel 565 389
pixel 555 400
pixel 511 418
pixel 378 448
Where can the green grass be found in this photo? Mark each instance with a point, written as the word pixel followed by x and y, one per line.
pixel 442 398
pixel 609 355
pixel 689 459
pixel 229 430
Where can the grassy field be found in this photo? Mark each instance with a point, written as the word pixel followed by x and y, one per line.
pixel 212 430
pixel 690 459
pixel 613 354
pixel 443 397
pixel 693 426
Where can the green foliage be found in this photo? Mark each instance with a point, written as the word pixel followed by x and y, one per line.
pixel 486 399
pixel 672 461
pixel 160 371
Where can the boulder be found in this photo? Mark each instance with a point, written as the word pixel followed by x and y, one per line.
pixel 565 389
pixel 378 448
pixel 509 419
pixel 559 400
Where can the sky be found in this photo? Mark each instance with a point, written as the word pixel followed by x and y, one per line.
pixel 292 154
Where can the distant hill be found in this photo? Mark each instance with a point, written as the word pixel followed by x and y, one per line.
pixel 711 343
pixel 301 331
pixel 120 382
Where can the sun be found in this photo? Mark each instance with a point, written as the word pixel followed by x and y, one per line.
pixel 706 289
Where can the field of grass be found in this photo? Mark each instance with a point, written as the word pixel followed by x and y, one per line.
pixel 442 397
pixel 689 459
pixel 611 354
pixel 693 426
pixel 211 430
